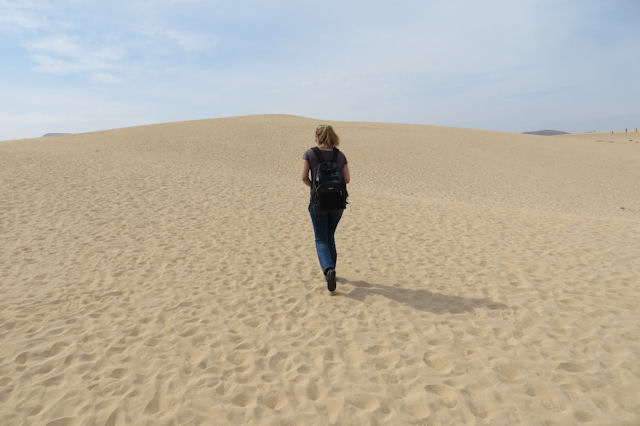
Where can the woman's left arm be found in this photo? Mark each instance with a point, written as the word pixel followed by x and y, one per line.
pixel 345 173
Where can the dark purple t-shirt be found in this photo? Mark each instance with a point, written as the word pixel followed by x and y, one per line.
pixel 310 156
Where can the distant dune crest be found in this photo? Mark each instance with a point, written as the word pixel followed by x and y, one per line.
pixel 546 132
pixel 54 134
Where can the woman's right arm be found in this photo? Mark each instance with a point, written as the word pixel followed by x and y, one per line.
pixel 305 173
pixel 345 173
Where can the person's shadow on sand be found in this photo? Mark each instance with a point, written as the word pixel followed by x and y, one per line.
pixel 420 299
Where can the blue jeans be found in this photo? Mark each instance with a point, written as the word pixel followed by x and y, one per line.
pixel 324 227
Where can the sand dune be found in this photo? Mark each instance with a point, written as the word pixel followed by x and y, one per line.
pixel 166 274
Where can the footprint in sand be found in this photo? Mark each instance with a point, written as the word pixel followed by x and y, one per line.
pixel 273 399
pixel 306 387
pixel 21 358
pixel 508 371
pixel 42 368
pixel 189 332
pixel 119 373
pixel 276 362
pixel 583 416
pixel 573 367
pixel 438 362
pixel 153 406
pixel 304 369
pixel 447 395
pixel 376 349
pixel 238 358
pixel 269 378
pixel 364 402
pixel 63 421
pixel 242 399
pixel 54 381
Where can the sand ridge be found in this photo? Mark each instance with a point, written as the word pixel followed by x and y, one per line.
pixel 167 274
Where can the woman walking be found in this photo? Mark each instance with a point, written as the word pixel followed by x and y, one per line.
pixel 325 224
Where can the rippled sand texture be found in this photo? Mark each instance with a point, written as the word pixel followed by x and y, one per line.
pixel 167 274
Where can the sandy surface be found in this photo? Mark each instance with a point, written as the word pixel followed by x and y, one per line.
pixel 167 274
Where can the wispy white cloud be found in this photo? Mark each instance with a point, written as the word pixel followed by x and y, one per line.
pixel 105 78
pixel 62 54
pixel 67 46
pixel 60 44
pixel 75 65
pixel 192 42
pixel 167 38
pixel 26 16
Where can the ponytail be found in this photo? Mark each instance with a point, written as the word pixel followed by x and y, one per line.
pixel 327 136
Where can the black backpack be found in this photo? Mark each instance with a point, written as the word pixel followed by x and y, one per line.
pixel 328 188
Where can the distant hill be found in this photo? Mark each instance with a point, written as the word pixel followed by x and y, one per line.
pixel 546 133
pixel 54 134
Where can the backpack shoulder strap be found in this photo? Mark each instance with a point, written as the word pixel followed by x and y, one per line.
pixel 336 152
pixel 318 154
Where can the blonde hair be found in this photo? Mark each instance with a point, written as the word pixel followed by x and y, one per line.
pixel 327 136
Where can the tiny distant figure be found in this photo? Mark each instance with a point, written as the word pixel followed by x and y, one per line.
pixel 625 130
pixel 329 178
pixel 612 132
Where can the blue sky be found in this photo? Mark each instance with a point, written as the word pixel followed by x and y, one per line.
pixel 75 66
